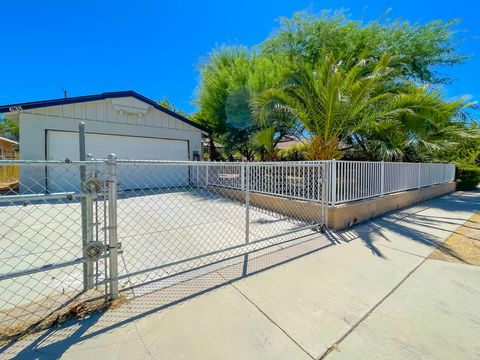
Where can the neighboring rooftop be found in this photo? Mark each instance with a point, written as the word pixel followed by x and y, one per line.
pixel 289 140
pixel 8 140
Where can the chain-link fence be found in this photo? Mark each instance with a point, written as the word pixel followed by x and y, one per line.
pixel 72 232
pixel 52 240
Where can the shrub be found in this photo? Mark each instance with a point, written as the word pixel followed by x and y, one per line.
pixel 467 176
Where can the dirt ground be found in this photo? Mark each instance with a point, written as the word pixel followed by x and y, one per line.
pixel 463 246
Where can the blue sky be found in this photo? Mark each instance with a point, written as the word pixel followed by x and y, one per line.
pixel 154 47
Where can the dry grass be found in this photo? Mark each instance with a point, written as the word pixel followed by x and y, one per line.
pixel 463 246
pixel 77 310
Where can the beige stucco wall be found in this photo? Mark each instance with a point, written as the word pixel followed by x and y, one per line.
pixel 343 215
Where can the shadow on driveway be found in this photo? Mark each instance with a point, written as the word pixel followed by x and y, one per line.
pixel 52 343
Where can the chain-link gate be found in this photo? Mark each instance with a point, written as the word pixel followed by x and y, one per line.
pixel 175 217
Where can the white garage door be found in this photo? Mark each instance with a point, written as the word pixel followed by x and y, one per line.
pixel 64 145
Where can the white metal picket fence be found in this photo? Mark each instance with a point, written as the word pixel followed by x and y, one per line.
pixel 295 180
pixel 356 180
pixel 347 180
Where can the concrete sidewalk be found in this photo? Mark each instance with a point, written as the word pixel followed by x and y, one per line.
pixel 373 295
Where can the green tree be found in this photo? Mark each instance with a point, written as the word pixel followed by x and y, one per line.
pixel 423 122
pixel 212 92
pixel 464 150
pixel 361 91
pixel 231 78
pixel 9 128
pixel 296 152
pixel 327 98
pixel 422 49
pixel 171 106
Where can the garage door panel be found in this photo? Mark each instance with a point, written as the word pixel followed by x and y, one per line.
pixel 140 177
pixel 64 145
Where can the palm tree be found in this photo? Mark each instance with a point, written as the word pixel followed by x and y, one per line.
pixel 328 98
pixel 412 120
pixel 360 105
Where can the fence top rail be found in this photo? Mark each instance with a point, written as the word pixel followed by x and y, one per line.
pixel 389 162
pixel 48 162
pixel 220 163
pixel 205 163
pixel 260 163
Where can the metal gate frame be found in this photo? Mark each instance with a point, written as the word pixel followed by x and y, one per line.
pixel 92 250
pixel 245 247
pixel 90 184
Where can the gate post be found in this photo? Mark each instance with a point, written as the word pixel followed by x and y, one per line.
pixel 112 226
pixel 86 205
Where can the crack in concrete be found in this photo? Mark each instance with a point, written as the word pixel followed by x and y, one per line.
pixel 337 343
pixel 268 317
pixel 147 350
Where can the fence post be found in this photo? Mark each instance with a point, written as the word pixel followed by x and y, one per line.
pixel 86 208
pixel 333 180
pixel 206 175
pixel 419 175
pixel 247 215
pixel 382 178
pixel 112 226
pixel 242 176
pixel 324 166
pixel 247 203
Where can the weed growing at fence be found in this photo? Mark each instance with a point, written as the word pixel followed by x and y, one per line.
pixel 74 311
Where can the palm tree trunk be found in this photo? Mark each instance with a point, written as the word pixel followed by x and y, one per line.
pixel 324 150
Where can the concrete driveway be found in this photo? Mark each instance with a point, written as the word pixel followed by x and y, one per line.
pixel 154 227
pixel 372 295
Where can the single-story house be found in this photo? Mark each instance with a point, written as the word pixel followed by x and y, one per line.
pixel 8 148
pixel 125 123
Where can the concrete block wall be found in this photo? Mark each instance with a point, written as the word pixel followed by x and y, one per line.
pixel 346 215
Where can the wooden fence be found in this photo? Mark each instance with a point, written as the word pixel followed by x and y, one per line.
pixel 9 176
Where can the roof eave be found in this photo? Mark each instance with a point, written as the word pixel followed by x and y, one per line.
pixel 16 108
pixel 8 140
